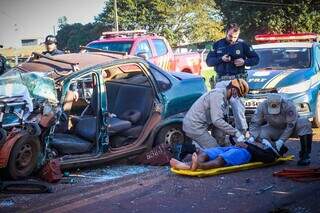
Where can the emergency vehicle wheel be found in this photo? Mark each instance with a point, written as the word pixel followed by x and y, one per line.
pixel 316 118
pixel 23 157
pixel 170 135
pixel 3 136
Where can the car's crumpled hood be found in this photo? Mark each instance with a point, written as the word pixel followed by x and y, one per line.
pixel 31 86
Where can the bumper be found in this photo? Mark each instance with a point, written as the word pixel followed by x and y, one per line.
pixel 305 103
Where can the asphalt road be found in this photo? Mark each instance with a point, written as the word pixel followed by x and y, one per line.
pixel 123 188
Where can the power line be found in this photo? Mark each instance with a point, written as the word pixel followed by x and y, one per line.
pixel 15 21
pixel 263 3
pixel 8 16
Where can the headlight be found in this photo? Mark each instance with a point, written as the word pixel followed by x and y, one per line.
pixel 296 88
pixel 303 107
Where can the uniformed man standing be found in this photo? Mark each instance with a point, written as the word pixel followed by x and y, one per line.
pixel 229 57
pixel 51 46
pixel 275 120
pixel 210 110
pixel 3 63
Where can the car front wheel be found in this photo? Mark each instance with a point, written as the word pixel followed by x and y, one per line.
pixel 171 135
pixel 23 157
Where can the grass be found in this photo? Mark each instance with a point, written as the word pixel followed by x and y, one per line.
pixel 208 73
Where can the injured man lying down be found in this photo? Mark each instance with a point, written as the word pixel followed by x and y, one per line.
pixel 216 157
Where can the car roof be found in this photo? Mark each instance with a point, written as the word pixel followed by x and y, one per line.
pixel 83 61
pixel 283 45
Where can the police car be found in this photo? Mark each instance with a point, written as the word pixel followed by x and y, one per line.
pixel 290 65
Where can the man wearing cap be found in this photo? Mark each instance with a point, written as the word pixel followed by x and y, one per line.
pixel 275 120
pixel 230 55
pixel 210 110
pixel 51 46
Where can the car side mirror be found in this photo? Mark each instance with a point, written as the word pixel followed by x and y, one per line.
pixel 143 55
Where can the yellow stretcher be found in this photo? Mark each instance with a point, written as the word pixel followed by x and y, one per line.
pixel 228 169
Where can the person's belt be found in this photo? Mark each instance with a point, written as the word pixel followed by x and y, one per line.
pixel 231 77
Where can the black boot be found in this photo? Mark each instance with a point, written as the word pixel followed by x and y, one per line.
pixel 309 143
pixel 305 150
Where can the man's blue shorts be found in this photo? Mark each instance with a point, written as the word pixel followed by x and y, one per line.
pixel 232 155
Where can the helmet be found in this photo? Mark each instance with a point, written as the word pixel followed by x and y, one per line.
pixel 50 39
pixel 241 85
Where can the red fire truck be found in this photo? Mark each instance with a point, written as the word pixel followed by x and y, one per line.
pixel 151 47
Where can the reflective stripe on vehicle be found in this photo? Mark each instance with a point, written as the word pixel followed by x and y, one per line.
pixel 275 80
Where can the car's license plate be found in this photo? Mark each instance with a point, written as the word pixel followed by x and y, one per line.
pixel 253 102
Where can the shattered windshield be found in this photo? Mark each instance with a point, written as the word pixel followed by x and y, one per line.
pixel 29 85
pixel 283 58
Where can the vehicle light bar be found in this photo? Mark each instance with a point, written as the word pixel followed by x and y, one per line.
pixel 287 37
pixel 123 33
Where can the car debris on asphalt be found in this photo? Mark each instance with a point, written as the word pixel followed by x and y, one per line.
pixel 260 191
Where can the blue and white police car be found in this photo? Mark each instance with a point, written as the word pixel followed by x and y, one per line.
pixel 290 65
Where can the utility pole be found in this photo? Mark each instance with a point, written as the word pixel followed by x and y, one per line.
pixel 54 30
pixel 116 15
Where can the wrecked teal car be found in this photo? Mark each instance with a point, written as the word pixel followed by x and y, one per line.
pixel 109 106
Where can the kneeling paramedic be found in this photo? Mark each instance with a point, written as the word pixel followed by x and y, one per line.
pixel 275 120
pixel 210 110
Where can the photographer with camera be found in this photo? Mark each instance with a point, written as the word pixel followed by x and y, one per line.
pixel 229 57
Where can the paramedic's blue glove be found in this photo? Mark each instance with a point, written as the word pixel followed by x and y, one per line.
pixel 279 144
pixel 266 143
pixel 240 137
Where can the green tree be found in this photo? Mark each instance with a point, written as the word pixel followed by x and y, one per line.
pixel 262 16
pixel 71 36
pixel 178 20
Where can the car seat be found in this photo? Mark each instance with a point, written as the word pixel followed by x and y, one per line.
pixel 80 142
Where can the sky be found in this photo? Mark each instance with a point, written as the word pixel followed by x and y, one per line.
pixel 21 19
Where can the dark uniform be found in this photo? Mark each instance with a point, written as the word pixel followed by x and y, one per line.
pixel 52 53
pixel 238 50
pixel 227 71
pixel 3 64
pixel 50 39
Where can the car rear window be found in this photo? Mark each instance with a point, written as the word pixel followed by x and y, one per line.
pixel 283 58
pixel 127 73
pixel 119 46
